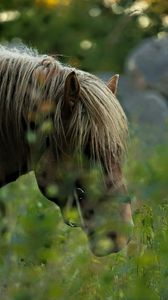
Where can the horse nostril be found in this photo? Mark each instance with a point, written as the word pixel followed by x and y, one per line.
pixel 112 235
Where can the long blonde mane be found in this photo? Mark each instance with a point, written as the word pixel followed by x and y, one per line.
pixel 25 83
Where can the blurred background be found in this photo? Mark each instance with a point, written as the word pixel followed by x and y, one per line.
pixel 40 257
pixel 95 35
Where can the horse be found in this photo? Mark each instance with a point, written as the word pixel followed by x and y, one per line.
pixel 66 124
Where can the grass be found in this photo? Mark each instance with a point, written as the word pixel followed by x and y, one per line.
pixel 42 258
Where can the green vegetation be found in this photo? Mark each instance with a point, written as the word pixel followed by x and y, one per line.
pixel 95 35
pixel 42 258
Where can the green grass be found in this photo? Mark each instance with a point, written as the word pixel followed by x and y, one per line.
pixel 42 258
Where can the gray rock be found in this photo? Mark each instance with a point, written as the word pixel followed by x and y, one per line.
pixel 146 109
pixel 148 64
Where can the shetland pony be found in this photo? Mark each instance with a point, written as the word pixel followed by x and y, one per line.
pixel 66 125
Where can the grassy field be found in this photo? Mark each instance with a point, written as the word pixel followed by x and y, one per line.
pixel 41 258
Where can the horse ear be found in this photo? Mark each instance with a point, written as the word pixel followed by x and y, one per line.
pixel 71 90
pixel 113 84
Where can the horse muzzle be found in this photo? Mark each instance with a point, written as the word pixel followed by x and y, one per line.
pixel 111 242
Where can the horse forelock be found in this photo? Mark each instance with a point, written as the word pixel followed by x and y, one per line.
pixel 97 118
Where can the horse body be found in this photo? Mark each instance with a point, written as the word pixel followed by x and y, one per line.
pixel 51 116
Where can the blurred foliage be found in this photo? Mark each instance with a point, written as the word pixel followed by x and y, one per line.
pixel 159 6
pixel 93 35
pixel 42 258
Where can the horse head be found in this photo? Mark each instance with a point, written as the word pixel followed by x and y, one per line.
pixel 81 165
